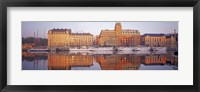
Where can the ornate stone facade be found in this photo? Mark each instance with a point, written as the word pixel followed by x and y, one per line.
pixel 64 38
pixel 154 40
pixel 119 37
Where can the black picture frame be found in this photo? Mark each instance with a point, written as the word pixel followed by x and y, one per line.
pixel 99 3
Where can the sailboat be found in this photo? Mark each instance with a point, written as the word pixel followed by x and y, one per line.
pixel 36 50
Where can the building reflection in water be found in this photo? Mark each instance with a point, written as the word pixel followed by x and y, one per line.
pixel 155 59
pixel 80 61
pixel 34 61
pixel 61 61
pixel 119 62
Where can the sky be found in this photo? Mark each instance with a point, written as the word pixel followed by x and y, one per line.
pixel 42 27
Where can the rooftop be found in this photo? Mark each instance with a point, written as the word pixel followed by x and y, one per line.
pixel 107 32
pixel 81 34
pixel 60 30
pixel 153 35
pixel 130 30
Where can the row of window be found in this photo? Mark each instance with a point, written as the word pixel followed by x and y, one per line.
pixel 155 39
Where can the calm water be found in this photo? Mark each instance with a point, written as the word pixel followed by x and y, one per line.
pixel 105 60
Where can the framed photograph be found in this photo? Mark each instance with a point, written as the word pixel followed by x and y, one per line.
pixel 87 45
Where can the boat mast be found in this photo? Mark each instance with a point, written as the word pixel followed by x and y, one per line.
pixel 43 43
pixel 37 36
pixel 34 39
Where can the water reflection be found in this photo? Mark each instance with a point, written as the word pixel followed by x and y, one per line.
pixel 99 61
pixel 60 61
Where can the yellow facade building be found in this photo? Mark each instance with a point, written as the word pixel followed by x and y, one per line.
pixel 154 40
pixel 81 39
pixel 163 40
pixel 119 37
pixel 58 37
pixel 65 38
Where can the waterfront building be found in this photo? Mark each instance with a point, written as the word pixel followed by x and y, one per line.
pixel 107 38
pixel 58 37
pixel 81 39
pixel 65 38
pixel 172 41
pixel 153 40
pixel 130 38
pixel 95 40
pixel 119 37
